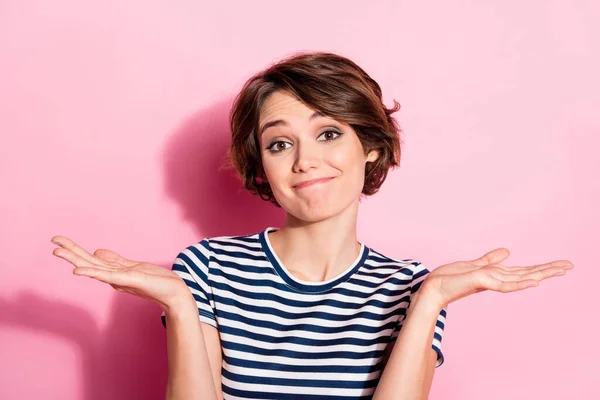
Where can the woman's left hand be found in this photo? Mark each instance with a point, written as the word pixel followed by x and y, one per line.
pixel 454 281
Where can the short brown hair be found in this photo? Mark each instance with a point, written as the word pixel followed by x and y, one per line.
pixel 326 82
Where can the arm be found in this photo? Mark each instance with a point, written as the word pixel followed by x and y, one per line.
pixel 450 282
pixel 194 355
pixel 190 363
pixel 409 371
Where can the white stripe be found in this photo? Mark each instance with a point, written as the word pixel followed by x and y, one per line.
pixel 256 251
pixel 358 362
pixel 233 241
pixel 300 347
pixel 299 389
pixel 303 333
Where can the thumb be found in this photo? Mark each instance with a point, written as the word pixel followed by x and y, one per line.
pixel 493 257
pixel 111 256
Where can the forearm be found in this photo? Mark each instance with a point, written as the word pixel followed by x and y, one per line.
pixel 406 371
pixel 189 368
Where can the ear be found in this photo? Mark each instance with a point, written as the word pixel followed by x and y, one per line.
pixel 373 155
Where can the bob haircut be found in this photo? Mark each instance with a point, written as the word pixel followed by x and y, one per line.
pixel 325 82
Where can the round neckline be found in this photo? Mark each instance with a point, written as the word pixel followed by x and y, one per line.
pixel 308 286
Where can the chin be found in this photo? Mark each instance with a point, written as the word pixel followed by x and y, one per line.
pixel 316 212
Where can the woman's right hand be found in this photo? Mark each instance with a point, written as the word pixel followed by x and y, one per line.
pixel 160 285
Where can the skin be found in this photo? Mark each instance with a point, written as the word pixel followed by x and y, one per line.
pixel 317 242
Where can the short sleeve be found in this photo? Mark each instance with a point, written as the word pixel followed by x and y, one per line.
pixel 192 265
pixel 419 273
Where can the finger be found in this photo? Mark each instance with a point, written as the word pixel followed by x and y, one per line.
pixel 118 288
pixel 78 261
pixel 73 258
pixel 68 244
pixel 507 277
pixel 545 273
pixel 537 275
pixel 113 277
pixel 562 264
pixel 511 286
pixel 493 257
pixel 111 256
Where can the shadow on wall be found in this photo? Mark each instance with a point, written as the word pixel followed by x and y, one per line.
pixel 212 198
pixel 128 359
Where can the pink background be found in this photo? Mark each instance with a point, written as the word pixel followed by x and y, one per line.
pixel 113 120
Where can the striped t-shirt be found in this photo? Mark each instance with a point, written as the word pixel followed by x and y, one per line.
pixel 284 338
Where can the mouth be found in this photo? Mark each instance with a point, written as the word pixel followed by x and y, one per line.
pixel 312 182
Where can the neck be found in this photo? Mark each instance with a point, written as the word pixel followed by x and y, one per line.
pixel 318 250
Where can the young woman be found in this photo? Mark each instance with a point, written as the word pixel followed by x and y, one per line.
pixel 305 311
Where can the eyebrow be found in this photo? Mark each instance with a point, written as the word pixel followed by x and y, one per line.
pixel 269 124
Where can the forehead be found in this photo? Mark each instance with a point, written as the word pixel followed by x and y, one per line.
pixel 280 104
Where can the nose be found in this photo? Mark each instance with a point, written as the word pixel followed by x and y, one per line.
pixel 308 156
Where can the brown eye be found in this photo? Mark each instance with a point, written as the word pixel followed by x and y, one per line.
pixel 330 135
pixel 277 147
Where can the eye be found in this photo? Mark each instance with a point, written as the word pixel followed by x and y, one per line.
pixel 329 135
pixel 278 146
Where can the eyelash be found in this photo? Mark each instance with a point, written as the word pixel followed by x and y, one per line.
pixel 270 147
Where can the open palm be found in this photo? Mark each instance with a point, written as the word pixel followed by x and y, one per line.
pixel 462 278
pixel 141 279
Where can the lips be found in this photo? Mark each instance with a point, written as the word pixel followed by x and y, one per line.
pixel 311 182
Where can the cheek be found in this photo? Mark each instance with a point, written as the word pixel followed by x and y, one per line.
pixel 273 170
pixel 349 159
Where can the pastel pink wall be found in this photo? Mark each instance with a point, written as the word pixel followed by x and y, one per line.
pixel 113 122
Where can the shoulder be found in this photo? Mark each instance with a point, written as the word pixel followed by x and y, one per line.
pixel 213 246
pixel 377 261
pixel 250 240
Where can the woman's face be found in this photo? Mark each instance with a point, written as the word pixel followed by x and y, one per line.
pixel 297 145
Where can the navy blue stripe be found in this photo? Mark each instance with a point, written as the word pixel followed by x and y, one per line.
pixel 264 284
pixel 264 295
pixel 327 316
pixel 405 269
pixel 309 288
pixel 391 279
pixel 239 266
pixel 286 396
pixel 419 274
pixel 239 254
pixel 192 283
pixel 323 355
pixel 188 261
pixel 364 271
pixel 377 256
pixel 306 327
pixel 345 369
pixel 439 323
pixel 303 340
pixel 252 238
